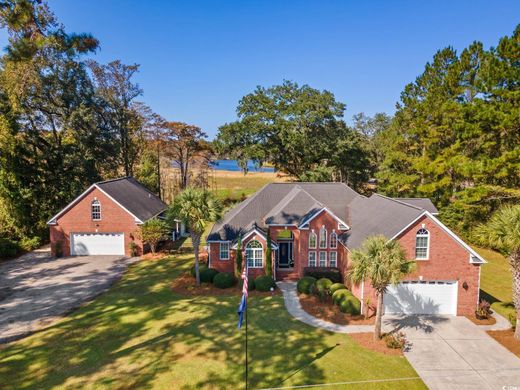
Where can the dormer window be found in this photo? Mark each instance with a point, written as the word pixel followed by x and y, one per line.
pixel 96 210
pixel 323 237
pixel 422 243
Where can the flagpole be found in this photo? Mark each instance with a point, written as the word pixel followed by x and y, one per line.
pixel 247 274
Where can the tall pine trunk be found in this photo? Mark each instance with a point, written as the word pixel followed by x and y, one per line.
pixel 379 316
pixel 514 261
pixel 195 239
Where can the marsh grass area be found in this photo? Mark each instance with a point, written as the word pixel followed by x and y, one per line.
pixel 141 334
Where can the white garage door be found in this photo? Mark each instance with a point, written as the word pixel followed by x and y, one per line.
pixel 422 297
pixel 82 244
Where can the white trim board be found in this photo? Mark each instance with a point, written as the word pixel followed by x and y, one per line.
pixel 309 219
pixel 450 233
pixel 53 221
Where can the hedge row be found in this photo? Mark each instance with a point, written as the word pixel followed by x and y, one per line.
pixel 227 279
pixel 323 287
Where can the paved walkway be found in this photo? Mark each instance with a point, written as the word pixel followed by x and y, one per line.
pixel 453 353
pixel 36 289
pixel 292 303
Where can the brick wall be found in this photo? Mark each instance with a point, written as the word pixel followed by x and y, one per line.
pixel 448 260
pixel 78 220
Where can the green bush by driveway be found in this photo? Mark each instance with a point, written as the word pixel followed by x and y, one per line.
pixel 142 335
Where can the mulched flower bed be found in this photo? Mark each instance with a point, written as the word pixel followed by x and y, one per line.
pixel 327 311
pixel 366 340
pixel 507 339
pixel 185 285
pixel 488 321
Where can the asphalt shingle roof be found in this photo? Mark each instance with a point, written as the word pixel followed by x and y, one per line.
pixel 133 196
pixel 292 203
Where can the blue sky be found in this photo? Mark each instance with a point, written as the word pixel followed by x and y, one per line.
pixel 198 58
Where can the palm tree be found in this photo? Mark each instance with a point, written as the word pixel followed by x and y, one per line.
pixel 502 231
pixel 196 208
pixel 383 262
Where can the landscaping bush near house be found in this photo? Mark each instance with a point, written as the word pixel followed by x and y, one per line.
pixel 224 280
pixel 202 267
pixel 395 340
pixel 512 320
pixel 347 302
pixel 305 284
pixel 250 284
pixel 483 311
pixel 207 275
pixel 335 287
pixel 264 283
pixel 8 248
pixel 330 273
pixel 322 287
pixel 30 244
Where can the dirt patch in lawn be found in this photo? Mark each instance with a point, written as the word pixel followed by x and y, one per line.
pixel 366 340
pixel 327 311
pixel 185 285
pixel 487 321
pixel 507 339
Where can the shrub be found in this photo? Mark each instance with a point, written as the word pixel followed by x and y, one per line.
pixel 395 340
pixel 133 248
pixel 224 280
pixel 322 288
pixel 483 310
pixel 335 287
pixel 152 232
pixel 347 302
pixel 330 273
pixel 8 248
pixel 264 283
pixel 30 244
pixel 202 267
pixel 250 284
pixel 512 320
pixel 58 248
pixel 207 275
pixel 305 285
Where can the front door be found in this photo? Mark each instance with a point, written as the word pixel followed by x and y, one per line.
pixel 285 259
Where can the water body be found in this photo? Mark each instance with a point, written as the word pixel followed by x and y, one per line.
pixel 232 165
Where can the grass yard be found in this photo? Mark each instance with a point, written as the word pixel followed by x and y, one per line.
pixel 142 335
pixel 496 282
pixel 236 185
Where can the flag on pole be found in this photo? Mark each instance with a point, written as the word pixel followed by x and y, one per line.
pixel 243 302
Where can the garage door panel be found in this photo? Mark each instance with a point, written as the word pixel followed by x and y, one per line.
pixel 84 244
pixel 422 298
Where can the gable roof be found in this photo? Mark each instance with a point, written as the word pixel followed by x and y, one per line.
pixel 423 203
pixel 127 193
pixel 283 204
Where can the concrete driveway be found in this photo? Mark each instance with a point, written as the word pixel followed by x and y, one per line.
pixel 453 353
pixel 36 288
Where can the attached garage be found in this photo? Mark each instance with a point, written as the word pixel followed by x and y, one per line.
pixel 422 297
pixel 83 244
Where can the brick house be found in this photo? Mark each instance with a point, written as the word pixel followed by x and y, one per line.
pixel 103 220
pixel 318 224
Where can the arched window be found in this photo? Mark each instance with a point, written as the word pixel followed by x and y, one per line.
pixel 96 210
pixel 422 243
pixel 333 240
pixel 323 237
pixel 254 254
pixel 313 240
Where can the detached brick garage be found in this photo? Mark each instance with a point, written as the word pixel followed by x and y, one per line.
pixel 103 219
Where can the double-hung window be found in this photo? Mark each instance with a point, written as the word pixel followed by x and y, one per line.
pixel 323 259
pixel 333 259
pixel 323 238
pixel 254 254
pixel 313 240
pixel 312 259
pixel 422 242
pixel 224 251
pixel 333 240
pixel 96 210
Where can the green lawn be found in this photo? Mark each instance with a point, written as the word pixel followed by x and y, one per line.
pixel 496 282
pixel 142 335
